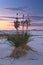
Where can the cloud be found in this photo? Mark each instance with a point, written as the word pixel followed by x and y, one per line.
pixel 11 17
pixel 37 24
pixel 37 20
pixel 36 17
pixel 4 18
pixel 17 9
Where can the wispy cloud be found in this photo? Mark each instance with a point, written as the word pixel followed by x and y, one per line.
pixel 38 20
pixel 36 17
pixel 37 24
pixel 4 18
pixel 17 9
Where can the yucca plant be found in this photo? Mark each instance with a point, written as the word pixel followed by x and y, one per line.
pixel 19 41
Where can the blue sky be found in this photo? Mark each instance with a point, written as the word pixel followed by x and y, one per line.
pixel 35 7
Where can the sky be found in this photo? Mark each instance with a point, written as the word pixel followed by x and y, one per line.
pixel 9 8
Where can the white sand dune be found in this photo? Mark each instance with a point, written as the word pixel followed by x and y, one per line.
pixel 32 58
